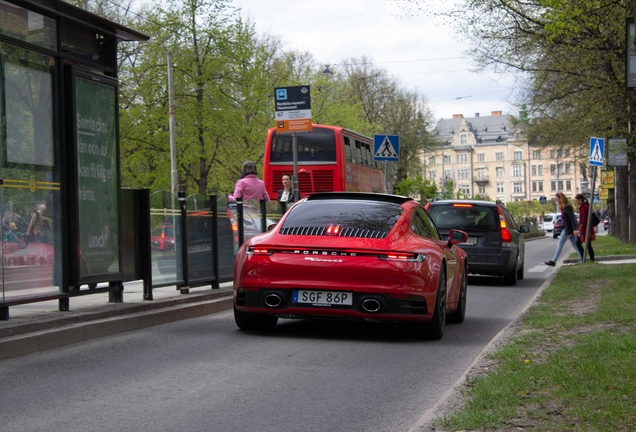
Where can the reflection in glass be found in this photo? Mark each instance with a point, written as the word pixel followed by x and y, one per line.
pixel 27 86
pixel 27 26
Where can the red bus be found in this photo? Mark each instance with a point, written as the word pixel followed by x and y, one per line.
pixel 330 159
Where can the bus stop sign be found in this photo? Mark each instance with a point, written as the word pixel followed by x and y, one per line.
pixel 386 148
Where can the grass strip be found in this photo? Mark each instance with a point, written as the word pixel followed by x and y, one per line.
pixel 571 365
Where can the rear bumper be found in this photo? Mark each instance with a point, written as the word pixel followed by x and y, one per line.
pixel 493 265
pixel 389 309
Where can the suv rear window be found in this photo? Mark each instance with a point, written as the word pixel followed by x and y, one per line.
pixel 348 214
pixel 465 217
pixel 547 219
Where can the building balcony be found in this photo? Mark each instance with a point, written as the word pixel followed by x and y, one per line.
pixel 482 181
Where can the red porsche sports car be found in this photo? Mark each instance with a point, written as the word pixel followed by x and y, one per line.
pixel 352 256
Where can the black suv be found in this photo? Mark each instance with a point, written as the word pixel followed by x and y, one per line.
pixel 495 245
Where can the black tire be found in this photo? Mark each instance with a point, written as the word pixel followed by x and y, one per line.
pixel 434 329
pixel 458 316
pixel 554 236
pixel 254 321
pixel 510 278
pixel 520 274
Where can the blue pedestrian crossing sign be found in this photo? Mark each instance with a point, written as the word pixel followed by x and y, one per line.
pixel 596 200
pixel 597 151
pixel 542 199
pixel 386 148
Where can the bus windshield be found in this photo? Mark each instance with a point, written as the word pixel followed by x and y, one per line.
pixel 317 146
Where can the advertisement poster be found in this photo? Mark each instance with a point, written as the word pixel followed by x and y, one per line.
pixel 97 177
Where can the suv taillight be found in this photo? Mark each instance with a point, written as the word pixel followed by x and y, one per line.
pixel 506 237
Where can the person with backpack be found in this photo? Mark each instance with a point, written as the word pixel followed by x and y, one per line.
pixel 584 212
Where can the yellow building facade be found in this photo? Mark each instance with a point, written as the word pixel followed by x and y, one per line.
pixel 489 157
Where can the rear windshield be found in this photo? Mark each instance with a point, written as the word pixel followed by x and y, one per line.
pixel 547 218
pixel 465 217
pixel 353 214
pixel 319 145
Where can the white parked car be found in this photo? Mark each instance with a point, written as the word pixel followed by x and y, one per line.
pixel 548 221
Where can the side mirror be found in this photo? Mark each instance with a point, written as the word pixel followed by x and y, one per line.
pixel 271 227
pixel 457 236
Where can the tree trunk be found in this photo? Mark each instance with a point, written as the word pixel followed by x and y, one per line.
pixel 622 212
pixel 632 199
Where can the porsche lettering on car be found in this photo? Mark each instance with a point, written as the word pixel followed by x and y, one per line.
pixel 349 255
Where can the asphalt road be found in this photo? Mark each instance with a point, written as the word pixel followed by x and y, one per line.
pixel 203 374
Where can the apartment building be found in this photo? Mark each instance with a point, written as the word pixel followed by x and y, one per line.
pixel 489 157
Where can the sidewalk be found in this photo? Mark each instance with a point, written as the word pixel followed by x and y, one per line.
pixel 39 326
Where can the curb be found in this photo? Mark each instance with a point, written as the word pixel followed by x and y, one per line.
pixel 29 338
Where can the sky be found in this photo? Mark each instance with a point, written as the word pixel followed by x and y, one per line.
pixel 423 55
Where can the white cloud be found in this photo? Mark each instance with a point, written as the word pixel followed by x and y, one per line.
pixel 424 55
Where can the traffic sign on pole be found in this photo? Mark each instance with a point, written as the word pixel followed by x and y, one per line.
pixel 597 151
pixel 386 148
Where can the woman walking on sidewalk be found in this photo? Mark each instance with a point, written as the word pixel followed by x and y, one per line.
pixel 584 212
pixel 569 224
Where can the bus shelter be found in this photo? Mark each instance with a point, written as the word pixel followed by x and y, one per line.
pixel 60 195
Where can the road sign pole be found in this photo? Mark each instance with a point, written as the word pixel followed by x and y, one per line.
pixel 386 177
pixel 295 153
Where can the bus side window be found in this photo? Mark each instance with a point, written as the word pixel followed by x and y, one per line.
pixel 347 144
pixel 359 154
pixel 367 148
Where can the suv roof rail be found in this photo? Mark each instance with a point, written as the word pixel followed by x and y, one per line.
pixel 500 202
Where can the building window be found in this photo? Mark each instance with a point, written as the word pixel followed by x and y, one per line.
pixel 462 158
pixel 534 186
pixel 464 189
pixel 447 159
pixel 559 153
pixel 552 154
pixel 482 190
pixel 462 173
pixel 540 186
pixel 568 185
pixel 448 175
pixel 540 170
pixel 499 156
pixel 567 152
pixel 583 152
pixel 536 154
pixel 481 173
pixel 553 169
pixel 500 172
pixel 500 188
pixel 432 175
pixel 553 186
pixel 560 185
pixel 463 138
pixel 567 167
pixel 517 171
pixel 534 170
pixel 518 155
pixel 431 160
pixel 517 187
pixel 480 157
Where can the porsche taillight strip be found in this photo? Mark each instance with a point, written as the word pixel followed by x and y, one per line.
pixel 383 255
pixel 334 230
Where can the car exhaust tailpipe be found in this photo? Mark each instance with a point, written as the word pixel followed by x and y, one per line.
pixel 371 305
pixel 273 300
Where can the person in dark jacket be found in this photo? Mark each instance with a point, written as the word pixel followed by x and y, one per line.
pixel 569 225
pixel 584 211
pixel 286 195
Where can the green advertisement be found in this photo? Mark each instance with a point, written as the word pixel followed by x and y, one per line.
pixel 97 177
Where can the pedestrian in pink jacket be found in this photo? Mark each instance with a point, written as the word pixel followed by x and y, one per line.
pixel 249 186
